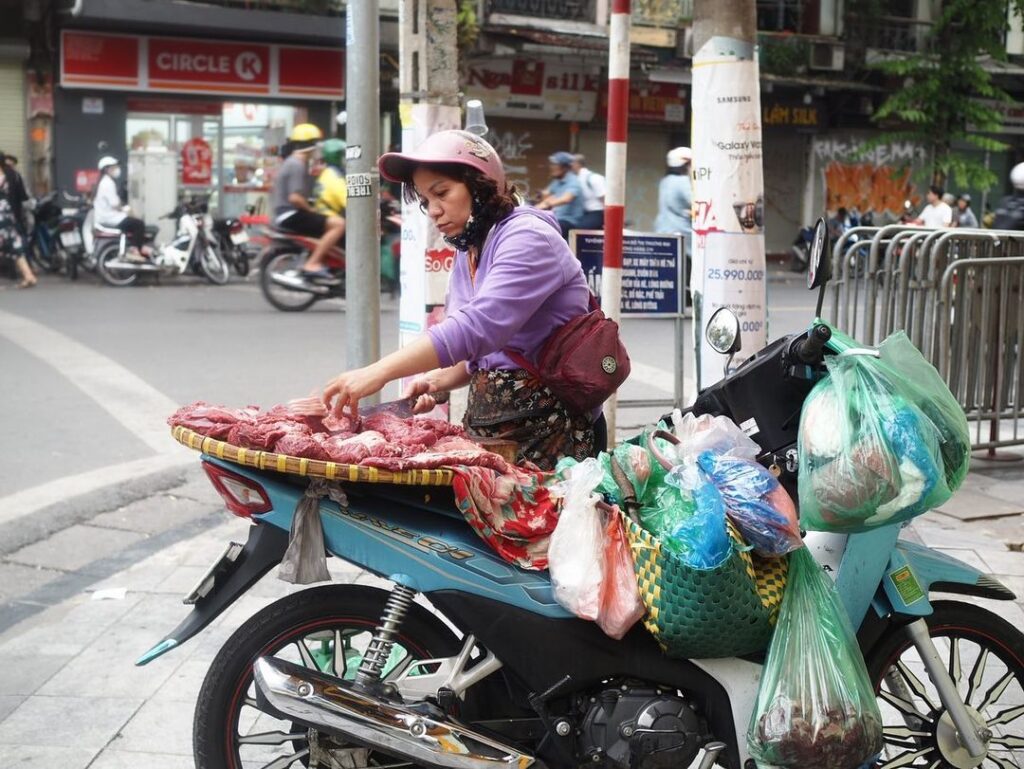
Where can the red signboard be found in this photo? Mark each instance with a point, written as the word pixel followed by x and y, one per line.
pixel 98 60
pixel 311 71
pixel 86 180
pixel 656 102
pixel 200 65
pixel 196 162
pixel 172 105
pixel 182 65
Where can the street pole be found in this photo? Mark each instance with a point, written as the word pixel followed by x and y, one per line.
pixel 615 167
pixel 728 178
pixel 362 214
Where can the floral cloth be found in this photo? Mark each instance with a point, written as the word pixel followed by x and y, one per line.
pixel 12 244
pixel 513 512
pixel 515 406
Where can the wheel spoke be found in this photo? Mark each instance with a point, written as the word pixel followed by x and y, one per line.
pixel 1009 741
pixel 307 657
pixel 976 675
pixel 915 684
pixel 902 705
pixel 994 693
pixel 285 761
pixel 904 736
pixel 907 759
pixel 1003 763
pixel 955 665
pixel 339 655
pixel 270 738
pixel 250 702
pixel 1007 716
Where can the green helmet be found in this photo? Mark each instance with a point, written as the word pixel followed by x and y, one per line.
pixel 333 152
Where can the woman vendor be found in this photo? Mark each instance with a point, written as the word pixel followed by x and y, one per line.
pixel 513 283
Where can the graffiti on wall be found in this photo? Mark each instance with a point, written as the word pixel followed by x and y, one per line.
pixel 877 179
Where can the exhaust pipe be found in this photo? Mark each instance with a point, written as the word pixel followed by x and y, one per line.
pixel 296 283
pixel 335 706
pixel 120 264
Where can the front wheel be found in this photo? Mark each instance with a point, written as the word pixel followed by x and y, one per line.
pixel 324 628
pixel 212 264
pixel 281 282
pixel 984 655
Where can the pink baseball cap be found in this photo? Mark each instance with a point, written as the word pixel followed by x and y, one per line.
pixel 453 146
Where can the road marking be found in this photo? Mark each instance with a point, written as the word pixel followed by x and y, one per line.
pixel 134 403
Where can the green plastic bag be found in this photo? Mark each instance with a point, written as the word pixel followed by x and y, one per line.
pixel 881 440
pixel 815 705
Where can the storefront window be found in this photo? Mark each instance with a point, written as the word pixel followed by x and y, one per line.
pixel 253 135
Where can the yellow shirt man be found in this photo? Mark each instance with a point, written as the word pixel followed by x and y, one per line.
pixel 331 192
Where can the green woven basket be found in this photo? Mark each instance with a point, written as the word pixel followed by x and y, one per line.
pixel 726 611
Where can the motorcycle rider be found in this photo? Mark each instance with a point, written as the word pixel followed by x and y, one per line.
pixel 112 213
pixel 1010 212
pixel 289 201
pixel 331 192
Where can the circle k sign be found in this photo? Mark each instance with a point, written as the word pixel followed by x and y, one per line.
pixel 207 63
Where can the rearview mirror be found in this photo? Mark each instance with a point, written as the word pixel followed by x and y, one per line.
pixel 817 259
pixel 723 332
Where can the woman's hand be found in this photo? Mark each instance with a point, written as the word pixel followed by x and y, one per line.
pixel 422 389
pixel 346 389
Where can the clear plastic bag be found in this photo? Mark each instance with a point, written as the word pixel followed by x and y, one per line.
pixel 755 502
pixel 869 455
pixel 815 705
pixel 576 551
pixel 621 605
pixel 719 435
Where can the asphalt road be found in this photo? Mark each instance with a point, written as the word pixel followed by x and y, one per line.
pixel 90 373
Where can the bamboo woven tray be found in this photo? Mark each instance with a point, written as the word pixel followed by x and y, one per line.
pixel 310 468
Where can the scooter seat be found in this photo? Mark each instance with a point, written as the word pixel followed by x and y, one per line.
pixel 99 231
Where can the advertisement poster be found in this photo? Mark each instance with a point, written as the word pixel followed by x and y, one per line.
pixel 196 162
pixel 728 198
pixel 426 260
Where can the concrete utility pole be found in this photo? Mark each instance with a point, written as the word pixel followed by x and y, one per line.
pixel 728 179
pixel 362 215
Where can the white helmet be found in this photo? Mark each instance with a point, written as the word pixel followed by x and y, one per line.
pixel 107 162
pixel 1017 176
pixel 678 157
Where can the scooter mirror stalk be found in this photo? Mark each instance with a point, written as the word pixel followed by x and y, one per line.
pixel 818 263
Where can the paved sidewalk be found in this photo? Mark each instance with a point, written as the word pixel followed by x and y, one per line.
pixel 71 697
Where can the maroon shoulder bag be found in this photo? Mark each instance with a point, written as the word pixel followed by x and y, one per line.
pixel 583 362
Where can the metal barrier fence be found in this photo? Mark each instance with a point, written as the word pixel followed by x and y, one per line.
pixel 957 294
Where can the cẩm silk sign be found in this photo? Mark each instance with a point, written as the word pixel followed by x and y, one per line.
pixel 186 65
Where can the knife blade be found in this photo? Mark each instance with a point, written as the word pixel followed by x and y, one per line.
pixel 400 408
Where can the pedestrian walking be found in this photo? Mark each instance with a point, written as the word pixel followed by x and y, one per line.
pixel 563 196
pixel 675 195
pixel 12 234
pixel 593 186
pixel 964 215
pixel 937 213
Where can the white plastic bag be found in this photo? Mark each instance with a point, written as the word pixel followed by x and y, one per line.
pixel 576 552
pixel 719 435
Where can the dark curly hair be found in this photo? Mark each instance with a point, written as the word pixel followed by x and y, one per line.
pixel 490 205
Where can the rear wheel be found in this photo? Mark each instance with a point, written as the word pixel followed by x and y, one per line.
pixel 325 628
pixel 116 276
pixel 984 655
pixel 281 283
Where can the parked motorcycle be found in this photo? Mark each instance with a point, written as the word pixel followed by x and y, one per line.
pixel 54 224
pixel 234 242
pixel 192 249
pixel 351 675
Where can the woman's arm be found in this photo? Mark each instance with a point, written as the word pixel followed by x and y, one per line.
pixel 433 387
pixel 346 389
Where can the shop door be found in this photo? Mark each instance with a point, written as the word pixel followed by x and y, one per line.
pixel 12 116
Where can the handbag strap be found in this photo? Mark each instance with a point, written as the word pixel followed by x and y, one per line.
pixel 520 360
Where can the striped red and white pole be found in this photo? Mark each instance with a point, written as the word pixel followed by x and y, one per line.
pixel 615 174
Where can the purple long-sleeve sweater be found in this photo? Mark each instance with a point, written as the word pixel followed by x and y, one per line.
pixel 528 283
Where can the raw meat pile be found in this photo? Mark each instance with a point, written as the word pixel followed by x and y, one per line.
pixel 301 429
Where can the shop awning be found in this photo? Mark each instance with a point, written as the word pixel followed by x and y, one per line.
pixel 195 19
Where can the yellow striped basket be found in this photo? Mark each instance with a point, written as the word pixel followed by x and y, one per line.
pixel 727 611
pixel 310 468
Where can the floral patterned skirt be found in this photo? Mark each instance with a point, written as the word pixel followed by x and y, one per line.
pixel 515 406
pixel 12 244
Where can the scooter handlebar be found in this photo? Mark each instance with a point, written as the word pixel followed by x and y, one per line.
pixel 810 349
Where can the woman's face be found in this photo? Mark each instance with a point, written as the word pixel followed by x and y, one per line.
pixel 447 202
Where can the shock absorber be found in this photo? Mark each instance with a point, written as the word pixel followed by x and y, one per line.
pixel 379 649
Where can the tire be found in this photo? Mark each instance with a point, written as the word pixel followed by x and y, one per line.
pixel 73 257
pixel 316 618
pixel 114 277
pixel 212 263
pixel 42 257
pixel 241 262
pixel 281 297
pixel 963 635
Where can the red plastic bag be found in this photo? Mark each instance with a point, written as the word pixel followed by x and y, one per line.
pixel 621 606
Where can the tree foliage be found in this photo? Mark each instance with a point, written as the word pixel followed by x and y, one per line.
pixel 946 95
